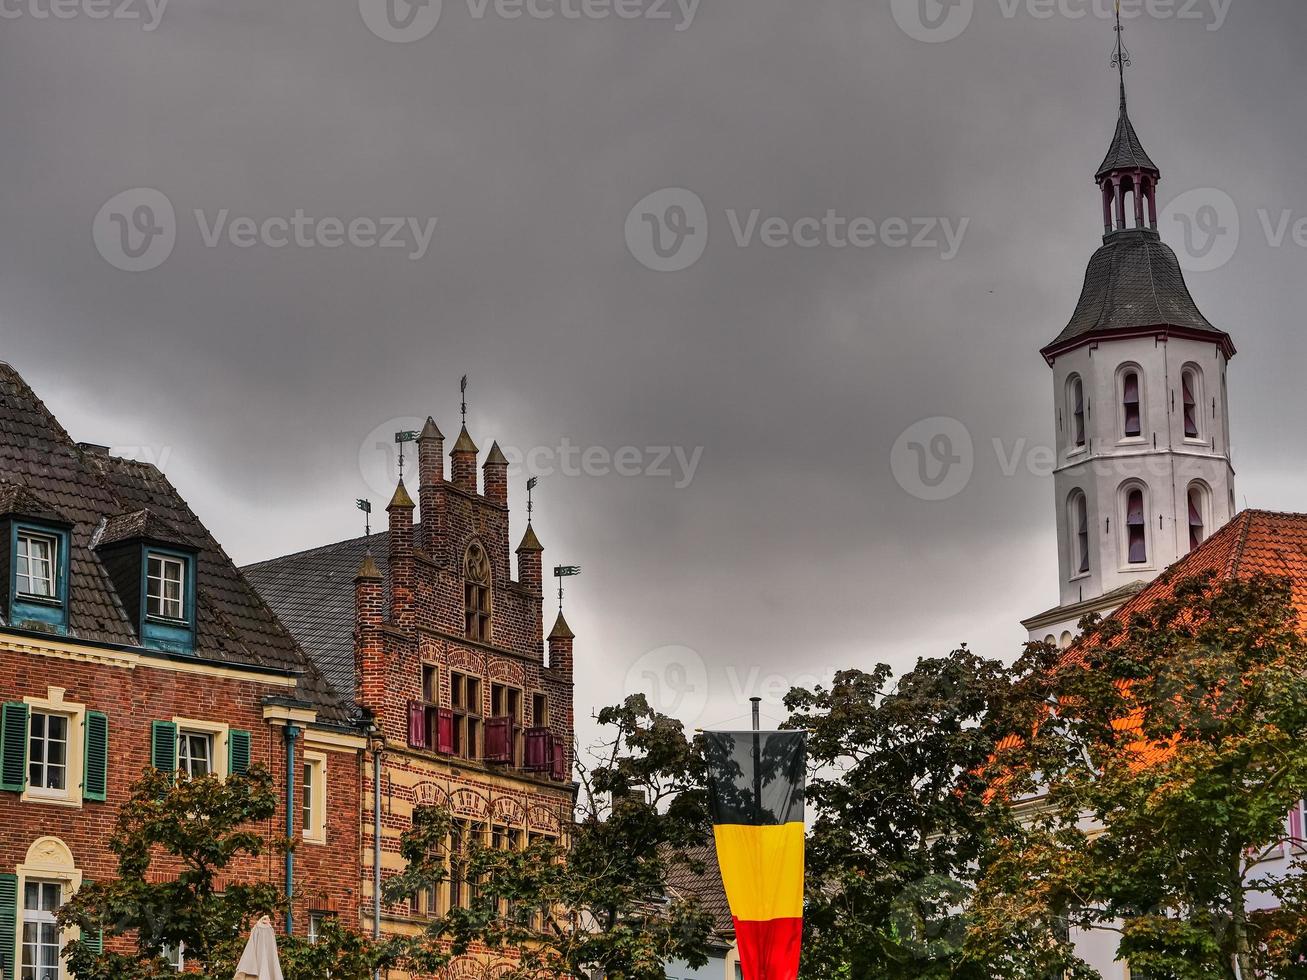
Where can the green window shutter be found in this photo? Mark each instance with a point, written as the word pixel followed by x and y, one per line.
pixel 95 940
pixel 238 752
pixel 96 784
pixel 13 747
pixel 163 747
pixel 8 925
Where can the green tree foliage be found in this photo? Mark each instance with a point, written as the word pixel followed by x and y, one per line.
pixel 194 830
pixel 597 900
pixel 901 824
pixel 1180 735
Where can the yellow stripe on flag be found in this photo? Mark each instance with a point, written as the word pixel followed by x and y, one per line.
pixel 762 868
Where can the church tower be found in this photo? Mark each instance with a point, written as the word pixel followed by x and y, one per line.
pixel 1139 399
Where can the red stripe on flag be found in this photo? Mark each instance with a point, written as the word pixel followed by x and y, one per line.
pixel 769 950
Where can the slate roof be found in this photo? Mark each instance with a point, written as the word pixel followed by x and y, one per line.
pixel 705 887
pixel 93 490
pixel 1134 282
pixel 312 593
pixel 1126 152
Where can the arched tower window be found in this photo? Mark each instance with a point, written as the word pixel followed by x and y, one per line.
pixel 1078 513
pixel 1136 526
pixel 1076 399
pixel 1191 390
pixel 1132 424
pixel 1199 507
pixel 476 585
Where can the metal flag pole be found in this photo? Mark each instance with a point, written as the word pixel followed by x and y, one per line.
pixel 757 753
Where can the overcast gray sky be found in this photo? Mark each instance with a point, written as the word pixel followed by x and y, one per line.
pixel 262 377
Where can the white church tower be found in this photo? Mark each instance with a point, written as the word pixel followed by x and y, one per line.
pixel 1139 394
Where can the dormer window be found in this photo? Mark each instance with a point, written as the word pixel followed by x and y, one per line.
pixel 165 595
pixel 35 565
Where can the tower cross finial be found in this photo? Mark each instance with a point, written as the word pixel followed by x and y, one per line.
pixel 1121 58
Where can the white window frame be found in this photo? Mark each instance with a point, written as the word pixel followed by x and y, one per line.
pixel 1072 381
pixel 74 762
pixel 43 766
pixel 165 562
pixel 1131 368
pixel 316 832
pixel 1191 370
pixel 1123 529
pixel 52 541
pixel 48 860
pixel 218 733
pixel 39 918
pixel 1073 536
pixel 1204 509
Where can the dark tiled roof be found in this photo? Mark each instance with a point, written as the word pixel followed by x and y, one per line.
pixel 90 488
pixel 139 525
pixel 704 886
pixel 17 500
pixel 312 593
pixel 1126 152
pixel 1134 282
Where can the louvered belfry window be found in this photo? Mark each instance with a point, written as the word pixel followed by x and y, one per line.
pixel 1191 430
pixel 476 582
pixel 1130 405
pixel 1136 528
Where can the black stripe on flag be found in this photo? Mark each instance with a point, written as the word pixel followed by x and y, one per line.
pixel 756 778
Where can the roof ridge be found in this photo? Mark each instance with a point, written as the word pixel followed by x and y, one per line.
pixel 1236 555
pixel 316 548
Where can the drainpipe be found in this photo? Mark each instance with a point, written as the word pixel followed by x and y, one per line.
pixel 377 743
pixel 292 733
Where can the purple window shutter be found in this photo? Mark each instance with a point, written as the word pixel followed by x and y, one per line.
pixel 560 762
pixel 499 740
pixel 417 725
pixel 1135 509
pixel 445 731
pixel 539 751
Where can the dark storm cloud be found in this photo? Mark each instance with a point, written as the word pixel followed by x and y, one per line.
pixel 259 374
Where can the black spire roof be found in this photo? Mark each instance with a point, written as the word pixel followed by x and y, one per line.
pixel 1134 283
pixel 1126 152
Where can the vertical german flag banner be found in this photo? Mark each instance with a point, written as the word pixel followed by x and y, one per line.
pixel 756 781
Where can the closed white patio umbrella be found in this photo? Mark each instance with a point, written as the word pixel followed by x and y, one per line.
pixel 259 961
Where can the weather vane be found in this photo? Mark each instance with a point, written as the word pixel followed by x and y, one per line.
pixel 530 501
pixel 1121 58
pixel 462 388
pixel 366 507
pixel 561 572
pixel 402 437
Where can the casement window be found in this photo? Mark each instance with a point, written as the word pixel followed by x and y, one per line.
pixel 504 729
pixel 195 753
pixel 41 939
pixel 1078 515
pixel 1191 387
pixel 1076 410
pixel 462 888
pixel 47 754
pixel 199 748
pixel 36 564
pixel 508 839
pixel 1131 415
pixel 1198 499
pixel 166 587
pixel 316 921
pixel 313 798
pixel 476 585
pixel 465 716
pixel 1136 526
pixel 175 957
pixel 54 751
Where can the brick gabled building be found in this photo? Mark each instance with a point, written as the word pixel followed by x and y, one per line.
pixel 431 636
pixel 128 638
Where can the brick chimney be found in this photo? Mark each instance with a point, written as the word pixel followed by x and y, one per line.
pixel 402 597
pixel 496 476
pixel 369 648
pixel 463 468
pixel 431 473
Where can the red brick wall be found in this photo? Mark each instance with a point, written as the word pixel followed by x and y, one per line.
pixel 132 699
